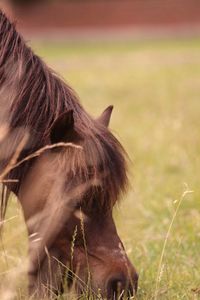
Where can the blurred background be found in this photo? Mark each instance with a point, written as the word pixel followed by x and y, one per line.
pixel 125 18
pixel 142 56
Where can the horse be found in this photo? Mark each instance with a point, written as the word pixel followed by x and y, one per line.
pixel 67 170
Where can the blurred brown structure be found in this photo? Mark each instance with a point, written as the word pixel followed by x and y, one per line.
pixel 113 14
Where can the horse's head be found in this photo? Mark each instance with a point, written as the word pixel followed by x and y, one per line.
pixel 68 208
pixel 68 191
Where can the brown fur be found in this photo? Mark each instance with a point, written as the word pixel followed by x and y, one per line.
pixel 52 188
pixel 39 97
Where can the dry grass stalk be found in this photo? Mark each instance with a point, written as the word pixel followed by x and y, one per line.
pixel 161 265
pixel 15 157
pixel 14 164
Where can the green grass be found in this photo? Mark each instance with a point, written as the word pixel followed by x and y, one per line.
pixel 155 89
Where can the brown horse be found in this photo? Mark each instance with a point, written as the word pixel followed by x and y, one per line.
pixel 68 189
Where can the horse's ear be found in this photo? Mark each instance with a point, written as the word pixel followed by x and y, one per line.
pixel 105 116
pixel 63 130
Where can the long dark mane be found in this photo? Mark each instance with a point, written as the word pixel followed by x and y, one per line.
pixel 33 96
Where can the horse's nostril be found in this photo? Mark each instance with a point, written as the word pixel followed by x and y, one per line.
pixel 115 287
pixel 120 287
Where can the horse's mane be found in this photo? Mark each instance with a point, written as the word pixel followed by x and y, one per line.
pixel 33 96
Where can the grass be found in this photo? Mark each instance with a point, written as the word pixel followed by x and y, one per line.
pixel 155 89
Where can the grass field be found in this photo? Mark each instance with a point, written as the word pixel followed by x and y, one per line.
pixel 155 89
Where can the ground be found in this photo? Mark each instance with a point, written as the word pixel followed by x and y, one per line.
pixel 155 89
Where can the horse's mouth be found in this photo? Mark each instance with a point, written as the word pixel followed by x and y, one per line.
pixel 116 291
